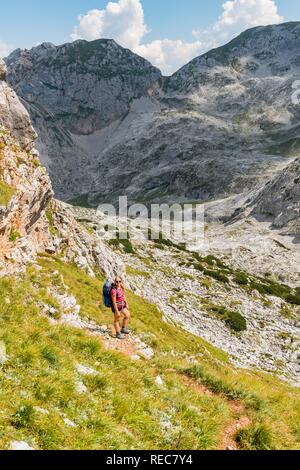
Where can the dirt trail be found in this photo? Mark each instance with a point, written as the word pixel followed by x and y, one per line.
pixel 239 420
pixel 132 345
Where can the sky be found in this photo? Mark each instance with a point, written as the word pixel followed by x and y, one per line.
pixel 169 33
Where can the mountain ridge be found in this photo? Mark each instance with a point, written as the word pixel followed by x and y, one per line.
pixel 225 130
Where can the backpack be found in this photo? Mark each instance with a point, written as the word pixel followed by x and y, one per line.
pixel 107 294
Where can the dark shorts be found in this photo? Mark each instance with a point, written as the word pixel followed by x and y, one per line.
pixel 121 307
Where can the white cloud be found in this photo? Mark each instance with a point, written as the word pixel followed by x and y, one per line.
pixel 5 49
pixel 239 15
pixel 169 55
pixel 124 21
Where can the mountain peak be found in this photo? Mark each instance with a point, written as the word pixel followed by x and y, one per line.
pixel 257 47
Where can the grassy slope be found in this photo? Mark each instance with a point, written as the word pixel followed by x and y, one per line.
pixel 6 193
pixel 117 413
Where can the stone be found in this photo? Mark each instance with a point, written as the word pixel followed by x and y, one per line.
pixel 41 410
pixel 20 445
pixel 70 423
pixel 3 356
pixel 80 387
pixel 146 353
pixel 135 357
pixel 84 370
pixel 166 424
pixel 280 199
pixel 159 381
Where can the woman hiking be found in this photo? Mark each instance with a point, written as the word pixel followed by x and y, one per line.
pixel 120 307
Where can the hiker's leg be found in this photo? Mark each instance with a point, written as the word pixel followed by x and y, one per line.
pixel 117 322
pixel 126 314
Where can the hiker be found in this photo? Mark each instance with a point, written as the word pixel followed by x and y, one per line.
pixel 120 307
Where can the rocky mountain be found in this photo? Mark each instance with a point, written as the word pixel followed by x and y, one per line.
pixel 279 200
pixel 31 221
pixel 221 125
pixel 73 93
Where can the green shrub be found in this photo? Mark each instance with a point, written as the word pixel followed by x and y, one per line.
pixel 213 261
pixel 95 383
pixel 236 321
pixel 50 356
pixel 270 288
pixel 293 299
pixel 6 193
pixel 256 437
pixel 14 236
pixel 241 278
pixel 50 218
pixel 23 418
pixel 125 244
pixel 217 275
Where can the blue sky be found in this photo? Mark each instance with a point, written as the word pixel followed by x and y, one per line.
pixel 176 30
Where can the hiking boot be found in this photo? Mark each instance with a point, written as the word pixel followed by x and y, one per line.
pixel 120 336
pixel 125 331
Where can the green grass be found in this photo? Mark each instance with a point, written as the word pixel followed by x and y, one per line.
pixel 136 272
pixel 117 413
pixel 123 244
pixel 256 437
pixel 81 201
pixel 241 278
pixel 50 218
pixel 14 236
pixel 220 387
pixel 6 194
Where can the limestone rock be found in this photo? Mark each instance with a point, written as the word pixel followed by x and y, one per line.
pixel 159 381
pixel 70 423
pixel 3 355
pixel 84 370
pixel 13 115
pixel 80 387
pixel 20 445
pixel 280 199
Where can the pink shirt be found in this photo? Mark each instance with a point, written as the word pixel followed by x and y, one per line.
pixel 120 297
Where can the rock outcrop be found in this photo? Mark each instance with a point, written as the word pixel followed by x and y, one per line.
pixel 13 115
pixel 31 221
pixel 280 200
pixel 217 127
